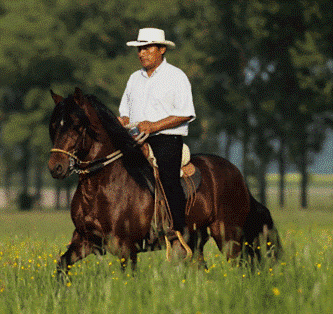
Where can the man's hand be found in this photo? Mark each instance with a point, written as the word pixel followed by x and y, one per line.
pixel 123 120
pixel 147 127
pixel 170 122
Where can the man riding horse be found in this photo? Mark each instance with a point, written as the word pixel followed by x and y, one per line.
pixel 159 99
pixel 113 208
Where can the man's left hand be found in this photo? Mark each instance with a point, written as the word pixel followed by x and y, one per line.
pixel 147 127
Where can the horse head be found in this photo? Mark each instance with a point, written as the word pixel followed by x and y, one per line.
pixel 71 133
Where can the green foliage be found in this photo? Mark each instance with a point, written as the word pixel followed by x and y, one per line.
pixel 62 44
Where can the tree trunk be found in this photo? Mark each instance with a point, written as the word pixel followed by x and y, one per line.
pixel 262 183
pixel 305 179
pixel 68 197
pixel 282 170
pixel 245 159
pixel 7 184
pixel 246 139
pixel 227 147
pixel 57 197
pixel 25 168
pixel 25 199
pixel 39 182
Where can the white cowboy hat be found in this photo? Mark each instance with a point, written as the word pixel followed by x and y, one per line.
pixel 148 36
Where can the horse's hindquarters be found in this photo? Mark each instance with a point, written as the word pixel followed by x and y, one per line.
pixel 222 195
pixel 222 203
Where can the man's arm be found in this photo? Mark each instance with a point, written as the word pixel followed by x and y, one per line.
pixel 123 120
pixel 170 122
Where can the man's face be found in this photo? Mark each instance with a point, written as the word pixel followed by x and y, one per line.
pixel 151 56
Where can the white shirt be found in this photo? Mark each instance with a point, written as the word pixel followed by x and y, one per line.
pixel 167 92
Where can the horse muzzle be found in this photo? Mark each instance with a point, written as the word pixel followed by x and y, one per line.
pixel 59 167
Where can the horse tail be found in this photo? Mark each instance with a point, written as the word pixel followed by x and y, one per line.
pixel 259 231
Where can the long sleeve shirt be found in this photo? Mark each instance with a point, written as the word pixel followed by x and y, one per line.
pixel 167 92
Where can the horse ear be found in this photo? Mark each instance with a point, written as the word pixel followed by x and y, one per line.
pixel 78 96
pixel 57 98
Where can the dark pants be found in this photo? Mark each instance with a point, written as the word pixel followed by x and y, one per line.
pixel 168 153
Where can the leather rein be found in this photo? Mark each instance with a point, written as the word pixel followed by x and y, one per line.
pixel 90 166
pixel 94 165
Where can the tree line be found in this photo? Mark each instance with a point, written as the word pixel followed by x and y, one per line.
pixel 261 73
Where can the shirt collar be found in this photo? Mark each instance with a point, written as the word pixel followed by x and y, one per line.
pixel 158 69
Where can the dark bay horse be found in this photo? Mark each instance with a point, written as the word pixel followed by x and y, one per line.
pixel 112 207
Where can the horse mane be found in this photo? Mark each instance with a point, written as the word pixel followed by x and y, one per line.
pixel 133 159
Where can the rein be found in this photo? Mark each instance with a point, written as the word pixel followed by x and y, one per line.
pixel 94 165
pixel 75 162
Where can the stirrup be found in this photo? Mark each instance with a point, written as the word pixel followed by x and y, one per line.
pixel 189 252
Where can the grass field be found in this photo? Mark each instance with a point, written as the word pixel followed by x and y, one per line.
pixel 300 283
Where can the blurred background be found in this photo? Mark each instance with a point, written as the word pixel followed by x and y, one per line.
pixel 261 74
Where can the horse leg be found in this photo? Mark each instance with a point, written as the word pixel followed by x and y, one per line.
pixel 229 237
pixel 217 232
pixel 124 261
pixel 125 251
pixel 196 243
pixel 134 258
pixel 79 248
pixel 180 250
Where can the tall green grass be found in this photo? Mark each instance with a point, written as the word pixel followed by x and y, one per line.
pixel 301 282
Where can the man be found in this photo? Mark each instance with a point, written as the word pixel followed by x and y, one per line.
pixel 159 98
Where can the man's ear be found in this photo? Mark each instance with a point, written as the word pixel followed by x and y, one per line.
pixel 163 49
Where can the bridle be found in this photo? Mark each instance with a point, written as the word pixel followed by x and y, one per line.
pixel 90 166
pixel 75 162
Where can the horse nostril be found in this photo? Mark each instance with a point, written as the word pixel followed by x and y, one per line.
pixel 58 169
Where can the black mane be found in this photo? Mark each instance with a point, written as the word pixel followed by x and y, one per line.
pixel 133 159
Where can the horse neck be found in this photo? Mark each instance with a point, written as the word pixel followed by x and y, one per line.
pixel 101 148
